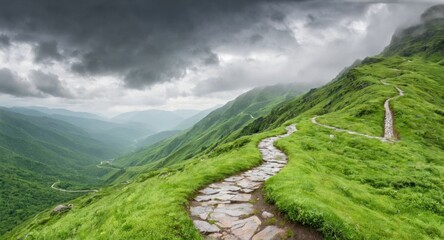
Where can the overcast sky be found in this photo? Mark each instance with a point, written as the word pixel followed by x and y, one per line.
pixel 110 56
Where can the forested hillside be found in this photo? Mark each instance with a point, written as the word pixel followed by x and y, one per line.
pixel 36 152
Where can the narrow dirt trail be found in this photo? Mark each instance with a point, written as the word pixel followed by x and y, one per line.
pixel 313 120
pixel 235 208
pixel 53 186
pixel 389 123
pixel 389 129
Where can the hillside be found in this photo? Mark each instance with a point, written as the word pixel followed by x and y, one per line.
pixel 346 185
pixel 213 129
pixel 36 152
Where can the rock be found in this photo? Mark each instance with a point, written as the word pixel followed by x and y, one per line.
pixel 245 228
pixel 244 183
pixel 246 190
pixel 205 227
pixel 209 191
pixel 222 219
pixel 214 236
pixel 201 211
pixel 269 233
pixel 266 214
pixel 241 197
pixel 233 179
pixel 222 196
pixel 235 209
pixel 213 202
pixel 61 209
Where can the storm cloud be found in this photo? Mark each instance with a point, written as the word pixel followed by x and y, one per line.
pixel 49 83
pixel 142 42
pixel 12 84
pixel 113 48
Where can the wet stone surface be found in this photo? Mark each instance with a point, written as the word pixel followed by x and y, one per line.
pixel 226 210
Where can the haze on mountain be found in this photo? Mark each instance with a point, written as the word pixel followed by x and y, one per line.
pixel 243 119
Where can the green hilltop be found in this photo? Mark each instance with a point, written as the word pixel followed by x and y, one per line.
pixel 346 186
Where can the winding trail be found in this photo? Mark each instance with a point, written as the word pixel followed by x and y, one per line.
pixel 389 129
pixel 389 125
pixel 235 208
pixel 53 186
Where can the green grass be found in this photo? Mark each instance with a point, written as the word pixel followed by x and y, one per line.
pixel 151 207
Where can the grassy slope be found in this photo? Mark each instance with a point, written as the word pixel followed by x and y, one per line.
pixel 354 188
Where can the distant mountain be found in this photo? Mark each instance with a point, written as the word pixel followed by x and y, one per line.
pixel 186 113
pixel 36 151
pixel 190 121
pixel 64 112
pixel 213 128
pixel 157 120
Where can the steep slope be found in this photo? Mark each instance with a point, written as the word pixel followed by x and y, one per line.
pixel 347 186
pixel 35 152
pixel 213 129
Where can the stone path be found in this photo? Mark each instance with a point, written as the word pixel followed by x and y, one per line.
pixel 230 209
pixel 389 125
pixel 389 129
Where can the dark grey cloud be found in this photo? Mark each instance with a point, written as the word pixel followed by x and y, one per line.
pixel 146 42
pixel 143 42
pixel 38 84
pixel 12 84
pixel 5 41
pixel 49 83
pixel 46 52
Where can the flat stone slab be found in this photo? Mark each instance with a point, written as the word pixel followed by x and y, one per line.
pixel 235 209
pixel 233 179
pixel 209 191
pixel 269 233
pixel 241 197
pixel 205 227
pixel 245 228
pixel 222 219
pixel 201 211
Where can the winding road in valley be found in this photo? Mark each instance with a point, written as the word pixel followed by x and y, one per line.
pixel 53 186
pixel 235 208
